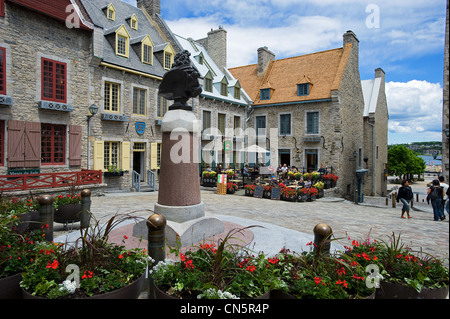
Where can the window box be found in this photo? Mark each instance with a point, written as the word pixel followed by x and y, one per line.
pixel 114 117
pixel 111 174
pixel 49 105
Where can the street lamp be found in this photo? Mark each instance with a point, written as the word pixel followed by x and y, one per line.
pixel 447 133
pixel 93 109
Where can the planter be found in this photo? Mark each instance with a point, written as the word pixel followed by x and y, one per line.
pixel 132 291
pixel 302 197
pixel 390 290
pixel 249 192
pixel 267 194
pixel 209 182
pixel 111 174
pixel 327 184
pixel 321 193
pixel 289 198
pixel 68 213
pixel 230 191
pixel 10 288
pixel 311 198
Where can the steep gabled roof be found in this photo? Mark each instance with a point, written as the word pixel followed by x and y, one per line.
pixel 210 69
pixel 371 91
pixel 323 70
pixel 55 9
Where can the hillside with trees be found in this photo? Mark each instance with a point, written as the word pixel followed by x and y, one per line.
pixel 404 163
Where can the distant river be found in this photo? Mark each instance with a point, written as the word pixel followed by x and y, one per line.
pixel 429 160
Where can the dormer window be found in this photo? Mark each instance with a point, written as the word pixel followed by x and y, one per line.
pixel 134 22
pixel 265 94
pixel 224 87
pixel 237 90
pixel 303 89
pixel 122 42
pixel 208 82
pixel 147 50
pixel 111 12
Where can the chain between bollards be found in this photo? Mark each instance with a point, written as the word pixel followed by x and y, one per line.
pixel 322 235
pixel 156 225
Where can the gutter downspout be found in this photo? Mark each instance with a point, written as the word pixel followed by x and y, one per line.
pixel 373 156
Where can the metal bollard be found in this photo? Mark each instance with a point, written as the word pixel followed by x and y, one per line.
pixel 322 235
pixel 394 200
pixel 156 225
pixel 85 214
pixel 46 215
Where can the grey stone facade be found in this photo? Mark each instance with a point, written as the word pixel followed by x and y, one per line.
pixel 28 37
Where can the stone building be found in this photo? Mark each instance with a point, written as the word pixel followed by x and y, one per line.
pixel 43 84
pixel 222 106
pixel 375 134
pixel 308 111
pixel 445 111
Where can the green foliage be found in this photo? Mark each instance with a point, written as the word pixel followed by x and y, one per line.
pixel 402 160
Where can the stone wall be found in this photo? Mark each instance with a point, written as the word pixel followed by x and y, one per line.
pixel 28 37
pixel 445 112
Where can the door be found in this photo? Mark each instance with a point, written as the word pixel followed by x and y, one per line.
pixel 284 157
pixel 138 159
pixel 312 160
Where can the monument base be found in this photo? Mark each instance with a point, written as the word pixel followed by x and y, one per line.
pixel 189 232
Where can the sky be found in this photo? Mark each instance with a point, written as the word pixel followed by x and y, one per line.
pixel 405 38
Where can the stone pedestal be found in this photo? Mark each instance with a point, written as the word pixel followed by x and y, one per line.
pixel 179 199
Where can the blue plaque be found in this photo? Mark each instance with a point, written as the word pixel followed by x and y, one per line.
pixel 140 127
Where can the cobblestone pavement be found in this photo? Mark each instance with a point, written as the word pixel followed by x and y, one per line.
pixel 345 218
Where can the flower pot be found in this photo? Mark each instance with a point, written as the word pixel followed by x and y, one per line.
pixel 68 213
pixel 230 191
pixel 390 290
pixel 10 288
pixel 289 198
pixel 267 194
pixel 111 174
pixel 248 192
pixel 302 197
pixel 311 198
pixel 321 193
pixel 131 291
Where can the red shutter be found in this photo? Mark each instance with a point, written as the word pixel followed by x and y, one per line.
pixel 16 133
pixel 75 145
pixel 32 144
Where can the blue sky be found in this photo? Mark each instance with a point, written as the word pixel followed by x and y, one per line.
pixel 404 38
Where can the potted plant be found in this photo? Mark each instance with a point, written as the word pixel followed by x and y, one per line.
pixel 402 273
pixel 267 193
pixel 312 193
pixel 315 175
pixel 231 188
pixel 249 190
pixel 25 209
pixel 113 170
pixel 230 174
pixel 17 251
pixel 302 195
pixel 209 178
pixel 288 194
pixel 333 179
pixel 67 208
pixel 313 275
pixel 298 176
pixel 210 271
pixel 319 186
pixel 326 178
pixel 101 269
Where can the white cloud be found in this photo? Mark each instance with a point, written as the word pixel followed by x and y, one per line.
pixel 415 107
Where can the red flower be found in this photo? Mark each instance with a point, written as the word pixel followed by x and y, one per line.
pixel 273 260
pixel 251 268
pixel 53 264
pixel 88 275
pixel 343 283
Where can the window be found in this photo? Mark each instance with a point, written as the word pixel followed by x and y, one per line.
pixel 224 89
pixel 53 144
pixel 155 156
pixel 285 124
pixel 208 85
pixel 312 123
pixel 112 97
pixel 139 99
pixel 53 80
pixel 312 159
pixel 221 123
pixel 111 12
pixel 2 71
pixel 121 45
pixel 206 118
pixel 303 89
pixel 147 53
pixel 134 22
pixel 237 93
pixel 265 94
pixel 260 125
pixel 167 60
pixel 163 105
pixel 111 155
pixel 237 122
pixel 158 154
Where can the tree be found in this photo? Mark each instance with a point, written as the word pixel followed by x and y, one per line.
pixel 403 161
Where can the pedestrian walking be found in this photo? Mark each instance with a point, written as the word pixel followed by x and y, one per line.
pixel 445 201
pixel 405 195
pixel 436 195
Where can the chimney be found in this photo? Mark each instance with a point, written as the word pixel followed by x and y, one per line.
pixel 152 7
pixel 264 58
pixel 216 45
pixel 379 73
pixel 350 37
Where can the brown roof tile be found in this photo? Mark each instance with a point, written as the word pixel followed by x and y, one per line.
pixel 323 70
